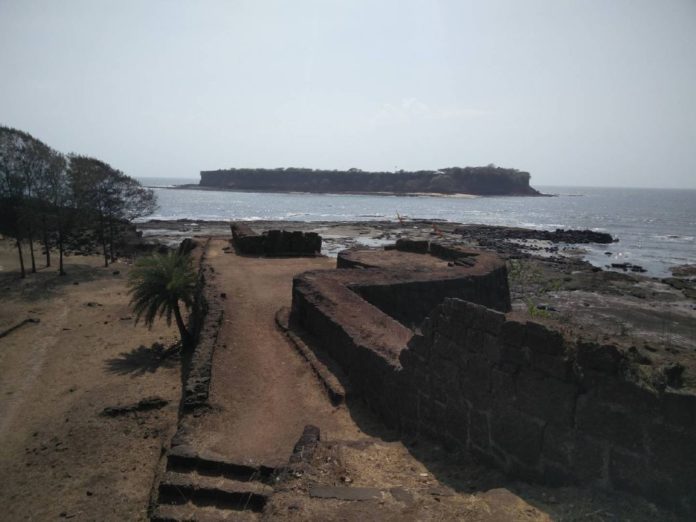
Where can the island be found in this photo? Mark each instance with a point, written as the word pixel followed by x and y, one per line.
pixel 482 181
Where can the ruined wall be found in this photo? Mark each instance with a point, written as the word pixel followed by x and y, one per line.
pixel 522 398
pixel 204 322
pixel 519 396
pixel 489 288
pixel 275 242
pixel 422 296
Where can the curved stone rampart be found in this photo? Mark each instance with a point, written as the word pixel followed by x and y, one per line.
pixel 515 394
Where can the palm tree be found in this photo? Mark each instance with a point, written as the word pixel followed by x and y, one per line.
pixel 157 284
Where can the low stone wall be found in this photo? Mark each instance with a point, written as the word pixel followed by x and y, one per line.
pixel 205 321
pixel 517 395
pixel 274 242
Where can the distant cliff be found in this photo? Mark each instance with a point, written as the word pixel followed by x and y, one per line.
pixel 484 181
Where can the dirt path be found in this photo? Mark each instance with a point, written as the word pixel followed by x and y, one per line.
pixel 263 391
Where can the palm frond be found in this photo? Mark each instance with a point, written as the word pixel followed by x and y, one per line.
pixel 158 283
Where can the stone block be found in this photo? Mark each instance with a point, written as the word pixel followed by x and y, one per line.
pixel 609 422
pixel 629 471
pixel 558 366
pixel 679 408
pixel 517 434
pixel 479 430
pixel 411 245
pixel 444 382
pixel 525 471
pixel 555 475
pixel 540 339
pixel 502 386
pixel 601 358
pixel 457 420
pixel 444 348
pixel 513 356
pixel 622 392
pixel 412 357
pixel 546 397
pixel 475 315
pixel 475 340
pixel 488 458
pixel 513 333
pixel 475 380
pixel 491 348
pixel 581 457
pixel 673 450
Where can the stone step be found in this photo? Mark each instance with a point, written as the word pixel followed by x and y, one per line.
pixel 219 492
pixel 191 513
pixel 185 459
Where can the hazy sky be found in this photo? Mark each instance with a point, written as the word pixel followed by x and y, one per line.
pixel 576 92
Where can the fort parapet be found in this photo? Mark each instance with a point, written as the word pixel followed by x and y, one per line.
pixel 424 336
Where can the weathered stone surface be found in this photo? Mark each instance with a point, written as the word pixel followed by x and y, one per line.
pixel 593 356
pixel 401 495
pixel 541 339
pixel 274 242
pixel 609 422
pixel 546 397
pixel 581 458
pixel 479 430
pixel 517 434
pixel 305 447
pixel 679 408
pixel 410 245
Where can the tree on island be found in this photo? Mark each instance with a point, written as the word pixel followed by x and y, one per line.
pixel 158 284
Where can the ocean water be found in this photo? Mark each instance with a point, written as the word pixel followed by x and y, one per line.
pixel 656 228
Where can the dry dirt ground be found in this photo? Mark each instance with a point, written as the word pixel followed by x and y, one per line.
pixel 60 458
pixel 262 392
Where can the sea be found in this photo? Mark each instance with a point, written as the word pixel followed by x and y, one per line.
pixel 655 228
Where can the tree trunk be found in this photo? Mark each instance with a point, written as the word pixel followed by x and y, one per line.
pixel 103 240
pixel 185 335
pixel 111 240
pixel 45 241
pixel 21 259
pixel 60 250
pixel 31 252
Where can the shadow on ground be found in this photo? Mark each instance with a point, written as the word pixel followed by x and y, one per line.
pixel 462 474
pixel 144 359
pixel 46 282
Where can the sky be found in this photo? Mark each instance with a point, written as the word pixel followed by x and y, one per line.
pixel 584 93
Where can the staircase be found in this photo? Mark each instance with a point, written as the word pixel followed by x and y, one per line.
pixel 205 488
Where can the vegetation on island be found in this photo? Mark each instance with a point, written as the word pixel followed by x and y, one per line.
pixel 489 181
pixel 51 199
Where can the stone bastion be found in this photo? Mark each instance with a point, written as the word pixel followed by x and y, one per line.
pixel 424 335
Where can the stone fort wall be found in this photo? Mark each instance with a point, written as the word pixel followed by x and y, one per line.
pixel 514 394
